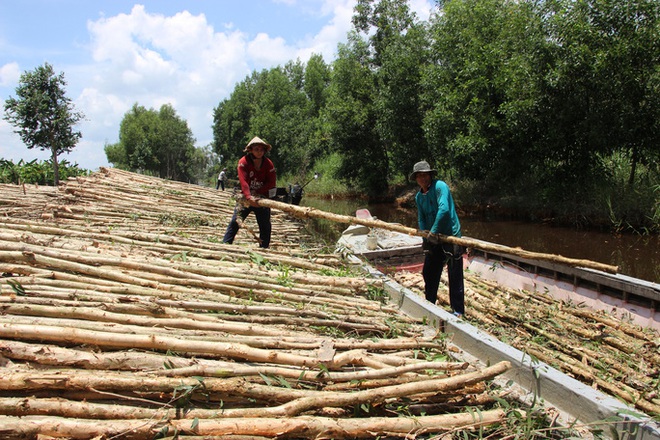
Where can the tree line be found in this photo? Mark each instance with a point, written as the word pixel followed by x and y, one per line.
pixel 548 106
pixel 546 102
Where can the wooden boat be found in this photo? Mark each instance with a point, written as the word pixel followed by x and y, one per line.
pixel 621 295
pixel 155 290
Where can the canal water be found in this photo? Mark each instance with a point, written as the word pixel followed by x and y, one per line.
pixel 635 255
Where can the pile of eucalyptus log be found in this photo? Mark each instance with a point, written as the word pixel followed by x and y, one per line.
pixel 125 316
pixel 597 348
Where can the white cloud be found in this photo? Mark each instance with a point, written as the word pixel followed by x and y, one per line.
pixel 422 8
pixel 182 60
pixel 9 74
pixel 266 51
pixel 151 59
pixel 325 42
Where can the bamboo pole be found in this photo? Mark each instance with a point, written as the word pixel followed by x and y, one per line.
pixel 307 212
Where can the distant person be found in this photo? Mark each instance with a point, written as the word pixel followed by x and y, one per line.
pixel 222 178
pixel 436 214
pixel 256 176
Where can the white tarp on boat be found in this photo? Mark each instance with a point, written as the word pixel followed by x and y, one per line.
pixel 362 240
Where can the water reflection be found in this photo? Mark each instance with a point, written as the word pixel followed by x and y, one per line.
pixel 636 256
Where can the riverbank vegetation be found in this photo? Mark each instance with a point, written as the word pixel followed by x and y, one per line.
pixel 539 110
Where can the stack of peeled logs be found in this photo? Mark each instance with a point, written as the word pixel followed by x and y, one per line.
pixel 125 316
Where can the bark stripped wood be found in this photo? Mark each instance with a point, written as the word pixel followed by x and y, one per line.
pixel 330 376
pixel 14 428
pixel 294 402
pixel 152 342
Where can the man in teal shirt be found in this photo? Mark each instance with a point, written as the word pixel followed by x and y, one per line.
pixel 436 213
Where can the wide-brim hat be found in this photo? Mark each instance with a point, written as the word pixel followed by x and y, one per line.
pixel 257 141
pixel 421 167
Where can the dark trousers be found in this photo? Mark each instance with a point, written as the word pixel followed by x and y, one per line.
pixel 437 255
pixel 221 183
pixel 263 220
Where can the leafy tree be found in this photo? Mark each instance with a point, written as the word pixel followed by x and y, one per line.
pixel 604 90
pixel 280 116
pixel 177 155
pixel 483 89
pixel 397 52
pixel 384 21
pixel 138 136
pixel 116 155
pixel 399 106
pixel 352 117
pixel 315 83
pixel 43 115
pixel 316 87
pixel 232 118
pixel 156 142
pixel 275 105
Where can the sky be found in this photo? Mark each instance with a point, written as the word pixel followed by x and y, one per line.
pixel 190 54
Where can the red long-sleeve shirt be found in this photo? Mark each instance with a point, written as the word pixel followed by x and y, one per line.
pixel 256 182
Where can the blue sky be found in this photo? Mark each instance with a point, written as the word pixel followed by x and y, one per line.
pixel 190 54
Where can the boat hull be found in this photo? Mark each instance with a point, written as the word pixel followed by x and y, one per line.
pixel 623 296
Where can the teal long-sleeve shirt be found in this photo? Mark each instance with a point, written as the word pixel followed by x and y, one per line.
pixel 436 211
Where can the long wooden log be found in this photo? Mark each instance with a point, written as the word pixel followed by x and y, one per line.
pixel 230 370
pixel 153 342
pixel 292 402
pixel 299 427
pixel 307 212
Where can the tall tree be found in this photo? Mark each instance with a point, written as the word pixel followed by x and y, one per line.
pixel 352 118
pixel 398 50
pixel 316 82
pixel 176 146
pixel 232 118
pixel 399 106
pixel 316 87
pixel 384 21
pixel 482 90
pixel 280 115
pixel 274 105
pixel 42 114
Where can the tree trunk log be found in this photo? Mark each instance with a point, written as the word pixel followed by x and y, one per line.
pixel 306 212
pixel 29 427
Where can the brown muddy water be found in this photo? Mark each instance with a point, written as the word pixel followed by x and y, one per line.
pixel 636 255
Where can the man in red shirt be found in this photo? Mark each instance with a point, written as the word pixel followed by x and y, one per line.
pixel 256 174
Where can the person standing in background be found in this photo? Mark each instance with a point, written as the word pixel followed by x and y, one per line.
pixel 222 178
pixel 257 176
pixel 436 213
